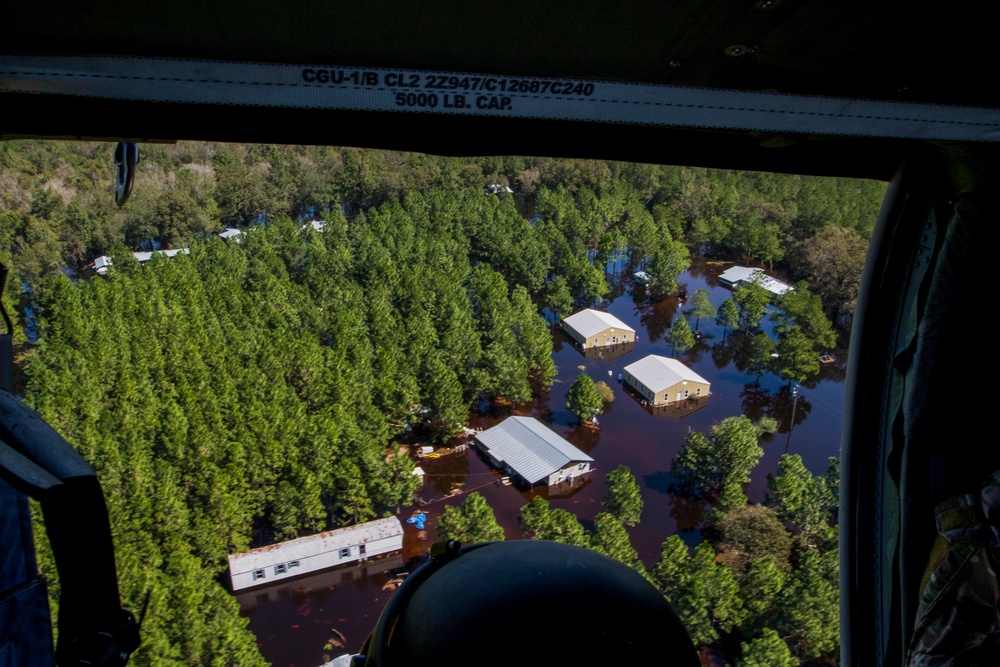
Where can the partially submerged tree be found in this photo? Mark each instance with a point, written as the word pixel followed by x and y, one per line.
pixel 701 305
pixel 583 399
pixel 728 315
pixel 539 522
pixel 753 299
pixel 799 307
pixel 607 393
pixel 761 361
pixel 706 464
pixel 797 359
pixel 472 521
pixel 624 500
pixel 681 335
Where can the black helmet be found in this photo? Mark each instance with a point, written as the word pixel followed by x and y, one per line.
pixel 526 602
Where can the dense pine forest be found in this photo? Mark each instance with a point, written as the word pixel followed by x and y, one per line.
pixel 255 389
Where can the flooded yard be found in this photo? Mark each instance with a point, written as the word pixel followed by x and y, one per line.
pixel 295 620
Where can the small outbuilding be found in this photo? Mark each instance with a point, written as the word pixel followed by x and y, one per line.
pixel 525 447
pixel 595 328
pixel 662 380
pixel 741 275
pixel 316 552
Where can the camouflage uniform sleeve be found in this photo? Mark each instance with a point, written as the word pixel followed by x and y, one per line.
pixel 958 620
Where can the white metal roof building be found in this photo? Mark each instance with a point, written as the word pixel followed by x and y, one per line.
pixel 660 379
pixel 533 451
pixel 738 275
pixel 594 327
pixel 102 263
pixel 315 552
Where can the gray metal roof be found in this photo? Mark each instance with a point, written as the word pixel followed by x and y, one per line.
pixel 529 447
pixel 657 373
pixel 589 322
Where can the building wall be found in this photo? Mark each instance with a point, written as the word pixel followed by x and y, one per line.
pixel 575 469
pixel 314 563
pixel 668 395
pixel 681 391
pixel 609 336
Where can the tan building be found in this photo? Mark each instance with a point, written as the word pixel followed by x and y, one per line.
pixel 594 328
pixel 662 380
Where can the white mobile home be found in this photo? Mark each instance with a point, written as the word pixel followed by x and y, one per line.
pixel 316 552
pixel 741 275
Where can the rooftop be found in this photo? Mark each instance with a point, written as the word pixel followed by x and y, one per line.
pixel 657 373
pixel 589 322
pixel 745 274
pixel 312 545
pixel 533 450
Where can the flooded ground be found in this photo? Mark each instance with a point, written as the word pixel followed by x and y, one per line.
pixel 293 621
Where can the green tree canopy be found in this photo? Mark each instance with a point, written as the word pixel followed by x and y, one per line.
pixel 753 299
pixel 800 307
pixel 750 533
pixel 667 262
pixel 623 499
pixel 611 539
pixel 728 314
pixel 556 525
pixel 810 604
pixel 768 650
pixel 701 305
pixel 761 349
pixel 583 399
pixel 706 464
pixel 800 499
pixel 472 521
pixel 681 335
pixel 797 358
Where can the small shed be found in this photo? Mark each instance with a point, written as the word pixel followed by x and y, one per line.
pixel 525 447
pixel 740 275
pixel 101 265
pixel 662 380
pixel 316 552
pixel 595 328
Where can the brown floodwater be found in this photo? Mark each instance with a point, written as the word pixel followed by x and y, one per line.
pixel 295 619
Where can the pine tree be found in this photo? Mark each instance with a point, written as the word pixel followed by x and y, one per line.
pixel 472 522
pixel 583 400
pixel 623 499
pixel 681 335
pixel 705 465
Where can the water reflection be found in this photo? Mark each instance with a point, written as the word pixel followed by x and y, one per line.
pixel 607 352
pixel 445 473
pixel 782 406
pixel 659 481
pixel 298 617
pixel 629 434
pixel 677 410
pixel 688 513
